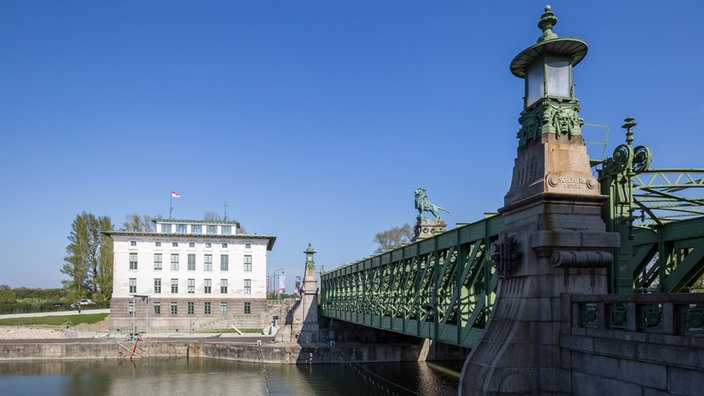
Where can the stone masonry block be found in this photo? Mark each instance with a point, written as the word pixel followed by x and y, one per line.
pixel 590 385
pixel 615 348
pixel 678 356
pixel 554 239
pixel 577 343
pixel 650 375
pixel 601 366
pixel 686 382
pixel 655 392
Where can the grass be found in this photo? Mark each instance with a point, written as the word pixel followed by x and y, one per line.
pixel 70 320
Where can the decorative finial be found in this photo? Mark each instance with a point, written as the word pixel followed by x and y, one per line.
pixel 547 21
pixel 629 123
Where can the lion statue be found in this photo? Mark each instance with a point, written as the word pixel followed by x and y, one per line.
pixel 424 205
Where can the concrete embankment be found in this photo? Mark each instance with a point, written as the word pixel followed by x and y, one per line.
pixel 281 353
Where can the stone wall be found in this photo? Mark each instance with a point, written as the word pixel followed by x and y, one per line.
pixel 648 344
pixel 284 353
pixel 257 318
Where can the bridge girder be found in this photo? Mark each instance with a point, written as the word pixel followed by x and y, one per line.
pixel 441 288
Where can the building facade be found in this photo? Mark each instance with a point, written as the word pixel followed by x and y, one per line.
pixel 187 274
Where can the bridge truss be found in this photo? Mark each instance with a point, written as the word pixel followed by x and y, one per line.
pixel 660 216
pixel 440 288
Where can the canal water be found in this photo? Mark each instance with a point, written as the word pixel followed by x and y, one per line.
pixel 161 376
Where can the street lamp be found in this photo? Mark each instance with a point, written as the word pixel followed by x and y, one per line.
pixel 550 105
pixel 310 261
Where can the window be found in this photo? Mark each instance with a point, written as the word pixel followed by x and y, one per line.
pixel 174 261
pixel 247 245
pixel 157 243
pixel 223 286
pixel 206 307
pixel 157 308
pixel 191 262
pixel 191 307
pixel 247 262
pixel 166 228
pixel 224 245
pixel 181 228
pixel 133 243
pixel 191 285
pixel 224 262
pixel 247 286
pixel 208 262
pixel 157 261
pixel 174 308
pixel 247 307
pixel 133 261
pixel 208 245
pixel 130 307
pixel 191 244
pixel 196 229
pixel 174 285
pixel 207 286
pixel 223 308
pixel 226 230
pixel 211 229
pixel 133 285
pixel 157 285
pixel 174 244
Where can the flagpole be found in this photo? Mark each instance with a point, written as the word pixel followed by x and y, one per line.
pixel 171 200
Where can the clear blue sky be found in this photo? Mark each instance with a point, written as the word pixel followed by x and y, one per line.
pixel 315 120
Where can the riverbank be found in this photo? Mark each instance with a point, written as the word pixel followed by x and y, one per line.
pixel 243 349
pixel 30 333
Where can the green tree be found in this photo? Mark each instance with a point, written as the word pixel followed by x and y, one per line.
pixel 393 238
pixel 7 296
pixel 89 256
pixel 137 223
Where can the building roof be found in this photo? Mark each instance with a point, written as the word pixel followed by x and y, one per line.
pixel 270 245
pixel 181 221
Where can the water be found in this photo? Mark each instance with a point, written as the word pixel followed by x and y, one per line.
pixel 158 376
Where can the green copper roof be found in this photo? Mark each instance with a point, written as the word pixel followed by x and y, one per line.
pixel 548 43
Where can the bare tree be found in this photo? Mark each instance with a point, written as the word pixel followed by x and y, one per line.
pixel 137 223
pixel 393 238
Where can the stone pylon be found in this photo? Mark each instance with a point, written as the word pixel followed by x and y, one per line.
pixel 554 241
pixel 305 318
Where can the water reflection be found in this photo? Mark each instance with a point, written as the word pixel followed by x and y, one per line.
pixel 158 376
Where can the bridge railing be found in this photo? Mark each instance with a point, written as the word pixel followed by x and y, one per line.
pixel 671 313
pixel 440 288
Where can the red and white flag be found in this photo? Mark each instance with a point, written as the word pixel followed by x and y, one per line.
pixel 175 194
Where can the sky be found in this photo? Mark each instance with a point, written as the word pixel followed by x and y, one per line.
pixel 313 120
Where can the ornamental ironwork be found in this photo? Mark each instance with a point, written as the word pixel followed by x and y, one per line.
pixel 506 255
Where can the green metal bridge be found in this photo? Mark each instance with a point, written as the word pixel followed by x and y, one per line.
pixel 443 288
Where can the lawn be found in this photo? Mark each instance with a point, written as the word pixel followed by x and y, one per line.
pixel 70 320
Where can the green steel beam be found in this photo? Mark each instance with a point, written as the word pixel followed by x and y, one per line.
pixel 440 288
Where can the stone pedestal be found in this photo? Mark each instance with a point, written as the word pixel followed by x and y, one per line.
pixel 554 242
pixel 427 228
pixel 305 318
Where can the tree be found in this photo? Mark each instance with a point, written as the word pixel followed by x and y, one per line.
pixel 212 216
pixel 137 223
pixel 89 256
pixel 393 238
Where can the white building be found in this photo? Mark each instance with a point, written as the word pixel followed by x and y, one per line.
pixel 187 273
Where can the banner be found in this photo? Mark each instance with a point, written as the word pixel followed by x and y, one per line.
pixel 297 287
pixel 282 281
